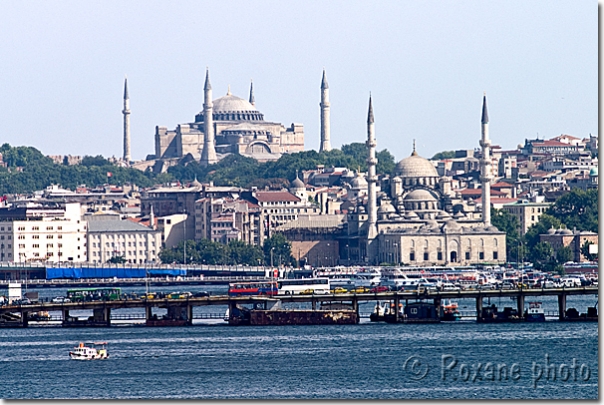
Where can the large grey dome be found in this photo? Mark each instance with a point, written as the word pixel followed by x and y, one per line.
pixel 415 166
pixel 231 103
pixel 232 108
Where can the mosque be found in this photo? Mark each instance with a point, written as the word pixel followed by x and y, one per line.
pixel 414 218
pixel 228 125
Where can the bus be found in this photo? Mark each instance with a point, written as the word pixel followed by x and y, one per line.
pixel 319 285
pixel 252 288
pixel 94 294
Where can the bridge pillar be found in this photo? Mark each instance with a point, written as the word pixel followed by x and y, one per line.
pixel 314 304
pixel 65 314
pixel 102 315
pixel 190 314
pixel 437 305
pixel 24 320
pixel 148 312
pixel 561 306
pixel 478 308
pixel 397 301
pixel 520 302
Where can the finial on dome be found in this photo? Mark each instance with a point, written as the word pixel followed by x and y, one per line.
pixel 228 90
pixel 414 153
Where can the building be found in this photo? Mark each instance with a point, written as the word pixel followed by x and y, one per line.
pixel 574 239
pixel 108 238
pixel 416 218
pixel 228 124
pixel 527 213
pixel 45 232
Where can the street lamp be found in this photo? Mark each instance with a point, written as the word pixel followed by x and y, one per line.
pixel 273 248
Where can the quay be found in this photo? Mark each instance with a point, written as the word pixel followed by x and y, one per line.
pixel 180 311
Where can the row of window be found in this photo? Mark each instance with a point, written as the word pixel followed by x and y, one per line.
pixel 439 256
pixel 129 252
pixel 122 244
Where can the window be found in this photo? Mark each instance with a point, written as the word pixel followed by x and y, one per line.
pixel 49 236
pixel 495 255
pixel 35 237
pixel 21 237
pixel 35 228
pixel 439 255
pixel 467 255
pixel 426 256
pixel 481 255
pixel 412 256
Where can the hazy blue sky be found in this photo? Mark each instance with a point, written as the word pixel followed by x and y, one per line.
pixel 426 63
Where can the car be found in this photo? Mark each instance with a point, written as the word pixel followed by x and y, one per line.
pixel 60 300
pixel 339 290
pixel 148 296
pixel 506 285
pixel 308 291
pixel 379 289
pixel 360 290
pixel 199 294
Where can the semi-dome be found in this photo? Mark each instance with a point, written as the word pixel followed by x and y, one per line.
pixel 420 195
pixel 415 166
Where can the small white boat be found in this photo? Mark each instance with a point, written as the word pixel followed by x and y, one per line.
pixel 90 352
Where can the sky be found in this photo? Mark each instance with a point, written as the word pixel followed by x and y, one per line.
pixel 425 63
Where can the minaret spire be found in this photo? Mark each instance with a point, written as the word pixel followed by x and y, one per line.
pixel 126 113
pixel 252 99
pixel 208 155
pixel 486 174
pixel 325 124
pixel 371 180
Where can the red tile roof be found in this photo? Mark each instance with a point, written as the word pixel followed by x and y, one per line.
pixel 276 196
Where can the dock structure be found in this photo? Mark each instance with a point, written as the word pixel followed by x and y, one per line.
pixel 180 311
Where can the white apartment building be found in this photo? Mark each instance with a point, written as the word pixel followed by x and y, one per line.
pixel 114 237
pixel 45 232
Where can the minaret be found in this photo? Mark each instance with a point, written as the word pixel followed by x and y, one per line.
pixel 126 112
pixel 371 176
pixel 485 165
pixel 252 99
pixel 208 155
pixel 325 135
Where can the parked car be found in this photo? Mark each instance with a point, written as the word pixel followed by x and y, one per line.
pixel 339 290
pixel 199 294
pixel 60 300
pixel 360 290
pixel 379 289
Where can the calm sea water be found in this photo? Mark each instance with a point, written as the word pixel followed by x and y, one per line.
pixel 365 361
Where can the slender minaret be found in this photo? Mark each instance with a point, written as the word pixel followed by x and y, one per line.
pixel 325 135
pixel 485 165
pixel 208 155
pixel 126 112
pixel 252 99
pixel 371 176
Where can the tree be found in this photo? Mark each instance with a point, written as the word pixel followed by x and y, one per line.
pixel 564 254
pixel 577 209
pixel 508 223
pixel 117 260
pixel 278 250
pixel 448 154
pixel 541 255
pixel 585 251
pixel 545 223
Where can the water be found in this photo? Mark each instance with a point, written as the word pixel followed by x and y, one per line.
pixel 352 361
pixel 364 361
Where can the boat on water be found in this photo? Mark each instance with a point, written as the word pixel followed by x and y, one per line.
pixel 450 312
pixel 89 351
pixel 535 312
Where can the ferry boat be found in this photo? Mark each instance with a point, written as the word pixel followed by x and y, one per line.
pixel 83 352
pixel 450 312
pixel 535 312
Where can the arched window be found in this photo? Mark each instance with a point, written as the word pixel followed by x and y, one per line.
pixel 481 242
pixel 495 242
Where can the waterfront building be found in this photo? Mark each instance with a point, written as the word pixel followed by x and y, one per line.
pixel 44 232
pixel 108 238
pixel 528 213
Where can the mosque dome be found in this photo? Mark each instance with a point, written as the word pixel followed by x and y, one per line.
pixel 297 184
pixel 358 182
pixel 420 199
pixel 232 108
pixel 415 166
pixel 451 226
pixel 420 195
pixel 593 171
pixel 386 208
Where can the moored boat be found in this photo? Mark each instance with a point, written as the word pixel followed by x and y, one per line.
pixel 88 351
pixel 535 312
pixel 450 312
